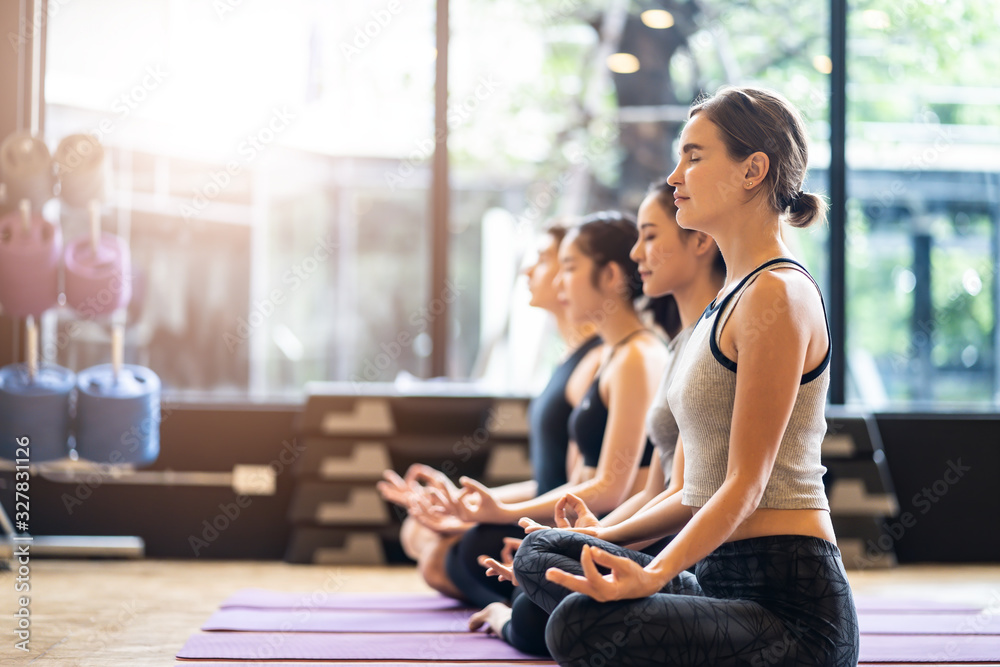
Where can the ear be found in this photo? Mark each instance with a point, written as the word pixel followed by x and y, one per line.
pixel 703 243
pixel 755 168
pixel 612 276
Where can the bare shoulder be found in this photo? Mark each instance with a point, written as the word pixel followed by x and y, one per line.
pixel 781 292
pixel 583 375
pixel 642 355
pixel 784 307
pixel 590 361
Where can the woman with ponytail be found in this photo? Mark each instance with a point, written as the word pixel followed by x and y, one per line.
pixel 749 396
pixel 600 284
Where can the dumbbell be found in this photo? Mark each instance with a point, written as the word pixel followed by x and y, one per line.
pixel 30 248
pixel 26 169
pixel 118 411
pixel 79 167
pixel 98 270
pixel 35 404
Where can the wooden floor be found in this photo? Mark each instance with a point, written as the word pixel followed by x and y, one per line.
pixel 139 613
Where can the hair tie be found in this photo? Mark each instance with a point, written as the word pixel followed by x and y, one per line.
pixel 794 202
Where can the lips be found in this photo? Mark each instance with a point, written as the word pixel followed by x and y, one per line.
pixel 678 200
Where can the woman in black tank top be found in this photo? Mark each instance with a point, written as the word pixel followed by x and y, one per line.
pixel 588 420
pixel 599 284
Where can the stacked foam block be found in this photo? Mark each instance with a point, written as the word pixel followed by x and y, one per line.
pixel 863 503
pixel 347 441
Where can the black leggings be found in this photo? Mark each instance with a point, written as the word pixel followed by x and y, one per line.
pixel 525 630
pixel 778 600
pixel 468 575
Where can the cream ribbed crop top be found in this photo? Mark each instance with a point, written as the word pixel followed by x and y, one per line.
pixel 660 423
pixel 701 398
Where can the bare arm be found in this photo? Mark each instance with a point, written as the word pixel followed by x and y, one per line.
pixel 574 464
pixel 516 492
pixel 630 391
pixel 651 521
pixel 653 488
pixel 629 395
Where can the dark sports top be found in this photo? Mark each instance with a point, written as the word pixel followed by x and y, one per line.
pixel 589 420
pixel 548 416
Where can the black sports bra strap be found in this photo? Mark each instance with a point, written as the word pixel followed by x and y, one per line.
pixel 614 348
pixel 729 302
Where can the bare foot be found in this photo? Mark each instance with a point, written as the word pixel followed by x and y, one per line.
pixel 493 616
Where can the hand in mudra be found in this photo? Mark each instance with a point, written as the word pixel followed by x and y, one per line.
pixel 495 568
pixel 627 580
pixel 395 489
pixel 571 513
pixel 434 512
pixel 478 504
pixel 572 507
pixel 510 547
pixel 420 474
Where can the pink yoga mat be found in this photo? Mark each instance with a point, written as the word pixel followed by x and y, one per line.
pixel 348 646
pixel 336 620
pixel 258 598
pixel 939 649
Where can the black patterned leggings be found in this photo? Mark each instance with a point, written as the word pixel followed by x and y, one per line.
pixel 768 601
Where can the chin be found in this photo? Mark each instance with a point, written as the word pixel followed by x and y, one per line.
pixel 686 222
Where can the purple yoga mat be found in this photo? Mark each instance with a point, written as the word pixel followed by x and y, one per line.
pixel 929 624
pixel 338 663
pixel 341 620
pixel 348 646
pixel 258 598
pixel 940 649
pixel 336 620
pixel 874 604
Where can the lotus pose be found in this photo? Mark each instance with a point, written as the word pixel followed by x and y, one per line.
pixel 688 266
pixel 749 396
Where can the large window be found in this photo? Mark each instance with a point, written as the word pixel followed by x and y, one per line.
pixel 923 150
pixel 271 165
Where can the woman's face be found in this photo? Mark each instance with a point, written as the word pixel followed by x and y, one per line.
pixel 661 252
pixel 577 293
pixel 709 184
pixel 542 275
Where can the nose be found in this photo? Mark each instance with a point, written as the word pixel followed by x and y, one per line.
pixel 674 178
pixel 636 254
